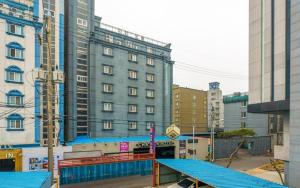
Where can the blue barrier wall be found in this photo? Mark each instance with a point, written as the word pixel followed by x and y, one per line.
pixel 79 174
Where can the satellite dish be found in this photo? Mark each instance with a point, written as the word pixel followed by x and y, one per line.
pixel 173 132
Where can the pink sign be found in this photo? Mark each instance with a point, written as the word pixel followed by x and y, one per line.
pixel 124 146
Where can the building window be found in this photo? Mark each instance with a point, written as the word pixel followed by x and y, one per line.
pixel 150 61
pixel 107 88
pixel 132 108
pixel 107 69
pixel 107 124
pixel 149 109
pixel 15 29
pixel 243 124
pixel 109 38
pixel 150 93
pixel 107 51
pixel 243 114
pixel 177 96
pixel 15 51
pixel 132 57
pixel 132 91
pixel 132 74
pixel 244 103
pixel 150 77
pixel 107 106
pixel 82 22
pixel 132 125
pixel 149 50
pixel 14 74
pixel 149 124
pixel 14 98
pixel 81 78
pixel 15 122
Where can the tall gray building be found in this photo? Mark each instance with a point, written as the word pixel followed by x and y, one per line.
pixel 236 115
pixel 118 83
pixel 274 72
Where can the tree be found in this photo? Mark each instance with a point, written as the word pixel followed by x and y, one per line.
pixel 241 133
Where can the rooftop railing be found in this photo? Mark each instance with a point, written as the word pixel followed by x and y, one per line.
pixel 132 35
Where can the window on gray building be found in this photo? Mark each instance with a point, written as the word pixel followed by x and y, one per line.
pixel 149 50
pixel 107 106
pixel 107 51
pixel 132 108
pixel 150 109
pixel 243 114
pixel 107 88
pixel 149 124
pixel 150 61
pixel 107 124
pixel 150 77
pixel 109 38
pixel 150 93
pixel 244 103
pixel 132 91
pixel 243 124
pixel 132 57
pixel 107 69
pixel 132 74
pixel 132 125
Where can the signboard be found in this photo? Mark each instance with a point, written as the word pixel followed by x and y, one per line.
pixel 182 149
pixel 41 163
pixel 124 147
pixel 152 140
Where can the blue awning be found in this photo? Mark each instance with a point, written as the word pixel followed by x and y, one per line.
pixel 25 179
pixel 87 140
pixel 216 176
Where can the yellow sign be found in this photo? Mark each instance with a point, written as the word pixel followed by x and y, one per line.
pixel 173 132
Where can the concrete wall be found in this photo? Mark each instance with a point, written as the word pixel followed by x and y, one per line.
pixel 259 145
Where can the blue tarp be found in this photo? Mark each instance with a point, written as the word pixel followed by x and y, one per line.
pixel 87 140
pixel 216 176
pixel 25 179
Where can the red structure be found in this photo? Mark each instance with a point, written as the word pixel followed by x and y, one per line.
pixel 116 158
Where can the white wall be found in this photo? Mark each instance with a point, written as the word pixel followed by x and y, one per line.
pixel 27 88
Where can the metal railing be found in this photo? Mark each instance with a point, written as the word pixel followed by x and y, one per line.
pixel 132 35
pixel 105 159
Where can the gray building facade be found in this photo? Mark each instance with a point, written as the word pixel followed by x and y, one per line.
pixel 236 115
pixel 274 72
pixel 119 83
pixel 130 83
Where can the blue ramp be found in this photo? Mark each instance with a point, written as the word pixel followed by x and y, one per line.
pixel 216 176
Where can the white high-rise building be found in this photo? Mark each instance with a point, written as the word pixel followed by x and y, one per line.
pixel 215 106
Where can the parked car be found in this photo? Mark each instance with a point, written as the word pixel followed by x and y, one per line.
pixel 188 183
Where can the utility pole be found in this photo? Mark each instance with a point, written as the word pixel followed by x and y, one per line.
pixel 212 134
pixel 49 98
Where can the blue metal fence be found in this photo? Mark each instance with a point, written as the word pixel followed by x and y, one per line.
pixel 79 174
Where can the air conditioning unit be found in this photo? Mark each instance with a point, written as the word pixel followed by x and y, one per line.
pixel 21 16
pixel 58 76
pixel 41 74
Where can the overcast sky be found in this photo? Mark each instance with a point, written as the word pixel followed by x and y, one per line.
pixel 208 34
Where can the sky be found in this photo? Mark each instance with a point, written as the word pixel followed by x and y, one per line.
pixel 211 36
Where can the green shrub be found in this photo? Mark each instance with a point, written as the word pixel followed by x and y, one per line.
pixel 236 133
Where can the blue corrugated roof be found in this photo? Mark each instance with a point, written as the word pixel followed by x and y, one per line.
pixel 87 140
pixel 24 179
pixel 216 176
